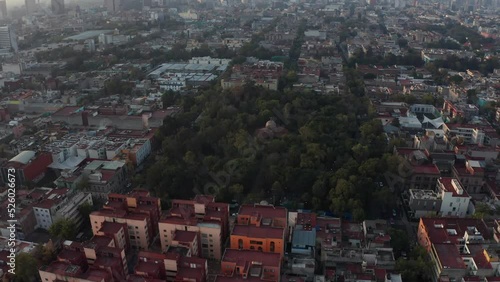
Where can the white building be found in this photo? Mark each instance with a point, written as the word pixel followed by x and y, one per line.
pixel 59 204
pixel 8 38
pixel 471 134
pixel 210 61
pixel 455 200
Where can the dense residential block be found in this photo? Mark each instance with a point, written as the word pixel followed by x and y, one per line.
pixel 250 265
pixel 459 247
pixel 202 216
pixel 134 216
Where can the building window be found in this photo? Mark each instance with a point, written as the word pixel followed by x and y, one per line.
pixel 240 243
pixel 272 247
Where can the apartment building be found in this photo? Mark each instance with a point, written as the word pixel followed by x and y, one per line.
pixel 470 173
pixel 203 216
pixel 174 265
pixel 458 247
pixel 260 227
pixel 464 133
pixel 105 177
pixel 139 229
pixel 139 201
pixel 417 171
pixel 249 264
pixel 455 200
pixel 449 198
pixel 424 202
pixel 95 260
pixel 57 204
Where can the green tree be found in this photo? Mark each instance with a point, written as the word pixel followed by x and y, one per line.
pixel 83 184
pixel 26 268
pixel 456 79
pixel 85 210
pixel 482 211
pixel 417 268
pixel 237 190
pixel 64 229
pixel 44 255
pixel 399 241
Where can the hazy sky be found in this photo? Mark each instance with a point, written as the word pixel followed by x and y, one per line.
pixel 13 3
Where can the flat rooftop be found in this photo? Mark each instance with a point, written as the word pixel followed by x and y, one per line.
pixel 258 232
pixel 88 34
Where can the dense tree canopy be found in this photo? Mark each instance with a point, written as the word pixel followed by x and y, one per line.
pixel 326 155
pixel 63 228
pixel 26 268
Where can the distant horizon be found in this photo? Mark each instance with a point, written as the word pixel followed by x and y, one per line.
pixel 19 3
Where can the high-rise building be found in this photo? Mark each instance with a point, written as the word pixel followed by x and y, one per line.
pixel 132 5
pixel 112 6
pixel 57 6
pixel 8 38
pixel 30 6
pixel 3 9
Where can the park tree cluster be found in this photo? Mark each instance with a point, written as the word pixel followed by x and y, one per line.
pixel 332 154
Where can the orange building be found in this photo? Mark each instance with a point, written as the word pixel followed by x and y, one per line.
pixel 260 228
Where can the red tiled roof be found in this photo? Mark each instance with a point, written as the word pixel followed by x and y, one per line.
pixel 264 211
pixel 481 260
pixel 151 255
pixel 112 227
pixel 147 267
pixel 204 199
pixel 471 279
pixel 45 204
pixel 99 241
pixel 221 278
pixel 66 111
pixel 306 218
pixel 258 232
pixel 241 257
pixel 380 274
pixel 107 175
pixel 110 213
pixel 449 256
pixel 438 234
pixel 184 236
pixel 138 278
pixel 96 275
pixel 448 187
pixel 426 169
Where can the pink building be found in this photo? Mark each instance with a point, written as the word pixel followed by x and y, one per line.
pixel 138 226
pixel 96 260
pixel 203 216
